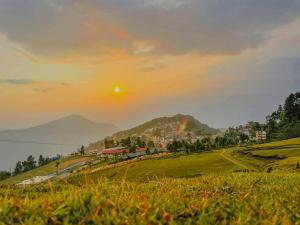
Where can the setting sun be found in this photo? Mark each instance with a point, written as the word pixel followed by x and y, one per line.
pixel 117 89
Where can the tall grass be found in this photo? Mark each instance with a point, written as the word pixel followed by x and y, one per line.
pixel 256 198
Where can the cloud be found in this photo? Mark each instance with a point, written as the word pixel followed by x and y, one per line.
pixel 153 67
pixel 17 81
pixel 42 90
pixel 100 27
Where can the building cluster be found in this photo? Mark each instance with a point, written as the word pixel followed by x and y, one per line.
pixel 164 133
pixel 260 135
pixel 124 153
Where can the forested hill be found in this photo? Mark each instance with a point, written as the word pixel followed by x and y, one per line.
pixel 166 127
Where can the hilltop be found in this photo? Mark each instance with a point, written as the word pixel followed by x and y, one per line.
pixel 165 129
pixel 167 125
pixel 60 136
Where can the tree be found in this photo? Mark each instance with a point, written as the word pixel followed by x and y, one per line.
pixel 4 175
pixel 29 164
pixel 41 161
pixel 148 151
pixel 132 149
pixel 126 142
pixel 292 108
pixel 243 137
pixel 199 146
pixel 150 144
pixel 207 143
pixel 140 143
pixel 57 166
pixel 109 143
pixel 19 168
pixel 285 122
pixel 82 150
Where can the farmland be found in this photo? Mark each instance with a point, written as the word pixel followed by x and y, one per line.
pixel 283 155
pixel 226 186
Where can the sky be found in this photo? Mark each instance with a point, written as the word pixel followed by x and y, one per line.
pixel 225 62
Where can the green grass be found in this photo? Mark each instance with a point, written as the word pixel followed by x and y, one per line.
pixel 191 189
pixel 174 167
pixel 216 162
pixel 44 170
pixel 255 198
pixel 287 149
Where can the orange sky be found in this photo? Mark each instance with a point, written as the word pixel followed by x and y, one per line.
pixel 166 56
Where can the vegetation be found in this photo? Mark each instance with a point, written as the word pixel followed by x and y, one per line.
pixel 171 167
pixel 280 155
pixel 4 175
pixel 217 191
pixel 192 125
pixel 47 169
pixel 256 198
pixel 285 122
pixel 31 164
pixel 81 151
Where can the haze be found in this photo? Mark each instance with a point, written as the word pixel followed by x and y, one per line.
pixel 225 62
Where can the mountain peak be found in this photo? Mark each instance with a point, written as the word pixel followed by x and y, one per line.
pixel 74 117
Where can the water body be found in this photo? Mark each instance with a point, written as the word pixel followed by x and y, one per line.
pixel 13 151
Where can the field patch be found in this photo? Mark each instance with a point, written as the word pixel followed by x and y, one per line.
pixel 174 167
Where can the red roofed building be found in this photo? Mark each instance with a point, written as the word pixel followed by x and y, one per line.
pixel 141 149
pixel 114 151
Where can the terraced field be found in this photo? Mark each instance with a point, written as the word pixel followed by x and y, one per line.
pixel 281 155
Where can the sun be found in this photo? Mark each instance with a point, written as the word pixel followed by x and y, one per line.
pixel 117 89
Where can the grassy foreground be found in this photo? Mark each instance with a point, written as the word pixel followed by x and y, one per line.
pixel 254 198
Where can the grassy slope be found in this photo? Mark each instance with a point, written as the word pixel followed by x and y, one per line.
pixel 44 170
pixel 220 161
pixel 290 149
pixel 189 166
pixel 219 197
pixel 255 198
pixel 174 167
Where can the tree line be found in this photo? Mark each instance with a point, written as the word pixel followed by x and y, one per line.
pixel 232 137
pixel 284 123
pixel 31 164
pixel 132 143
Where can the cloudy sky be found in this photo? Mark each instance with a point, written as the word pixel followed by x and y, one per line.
pixel 224 61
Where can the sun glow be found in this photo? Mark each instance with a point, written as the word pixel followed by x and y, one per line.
pixel 117 89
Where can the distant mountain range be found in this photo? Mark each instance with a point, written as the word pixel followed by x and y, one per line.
pixel 164 128
pixel 60 136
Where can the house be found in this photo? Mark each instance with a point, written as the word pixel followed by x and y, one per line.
pixel 261 136
pixel 246 129
pixel 114 151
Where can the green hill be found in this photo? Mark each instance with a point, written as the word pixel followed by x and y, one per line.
pixel 163 127
pixel 193 125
